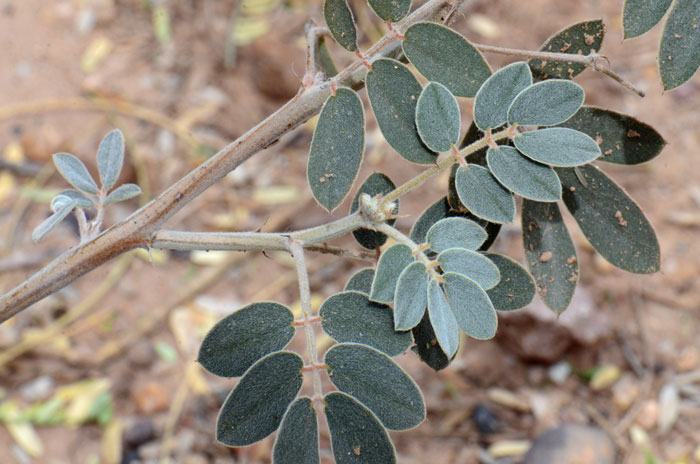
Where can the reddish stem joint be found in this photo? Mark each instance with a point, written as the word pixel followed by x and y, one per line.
pixel 364 60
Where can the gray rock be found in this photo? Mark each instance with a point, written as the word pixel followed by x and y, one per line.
pixel 573 443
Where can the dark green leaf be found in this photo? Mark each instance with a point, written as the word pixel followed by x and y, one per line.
pixel 297 441
pixel 546 103
pixel 442 55
pixel 378 383
pixel 391 10
pixel 341 23
pixel 361 281
pixel 123 192
pixel 558 146
pixel 323 58
pixel 80 199
pixel 411 297
pixel 442 319
pixel 578 39
pixel 357 436
pixel 427 346
pixel 471 306
pixel 391 264
pixel 52 221
pixel 75 172
pixel 455 232
pixel 522 176
pixel 550 253
pixel 255 408
pixel 336 148
pixel 679 53
pixel 611 221
pixel 349 317
pixel 481 193
pixel 498 92
pixel 110 158
pixel 375 184
pixel 622 139
pixel 470 264
pixel 639 16
pixel 393 92
pixel 240 339
pixel 516 288
pixel 438 118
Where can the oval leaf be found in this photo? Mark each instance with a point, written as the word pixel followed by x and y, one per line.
pixel 470 264
pixel 336 148
pixel 123 192
pixel 393 92
pixel 240 339
pixel 375 184
pixel 471 306
pixel 52 221
pixel 550 253
pixel 522 176
pixel 497 94
pixel 481 193
pixel 391 10
pixel 442 55
pixel 546 103
pixel 80 199
pixel 357 436
pixel 455 232
pixel 341 23
pixel 558 146
pixel 361 281
pixel 110 158
pixel 438 118
pixel 411 297
pixel 639 16
pixel 255 408
pixel 427 346
pixel 391 264
pixel 679 53
pixel 297 440
pixel 323 58
pixel 349 317
pixel 622 139
pixel 515 290
pixel 75 172
pixel 442 319
pixel 393 396
pixel 611 221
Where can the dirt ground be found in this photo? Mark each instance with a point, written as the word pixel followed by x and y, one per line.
pixel 624 358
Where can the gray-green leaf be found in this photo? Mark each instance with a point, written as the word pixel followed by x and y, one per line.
pixel 361 281
pixel 470 264
pixel 497 94
pixel 240 339
pixel 75 172
pixel 60 201
pixel 411 296
pixel 357 436
pixel 481 193
pixel 516 288
pixel 391 10
pixel 391 264
pixel 336 148
pixel 378 383
pixel 255 408
pixel 80 199
pixel 393 92
pixel 341 23
pixel 376 184
pixel 442 319
pixel 123 192
pixel 323 58
pixel 558 146
pixel 455 232
pixel 546 103
pixel 522 176
pixel 442 55
pixel 639 16
pixel 471 306
pixel 679 53
pixel 45 227
pixel 550 253
pixel 297 440
pixel 438 118
pixel 110 158
pixel 611 221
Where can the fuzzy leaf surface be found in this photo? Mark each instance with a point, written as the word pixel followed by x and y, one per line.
pixel 471 306
pixel 515 290
pixel 455 232
pixel 52 221
pixel 80 199
pixel 341 23
pixel 110 158
pixel 546 103
pixel 639 16
pixel 471 264
pixel 442 319
pixel 391 264
pixel 411 296
pixel 497 94
pixel 375 184
pixel 391 10
pixel 481 193
pixel 438 118
pixel 75 172
pixel 679 53
pixel 297 440
pixel 523 176
pixel 427 347
pixel 558 146
pixel 123 192
pixel 361 281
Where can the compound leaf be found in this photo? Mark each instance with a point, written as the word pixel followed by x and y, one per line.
pixel 297 440
pixel 357 436
pixel 639 16
pixel 611 221
pixel 515 290
pixel 110 158
pixel 391 264
pixel 411 296
pixel 255 408
pixel 455 232
pixel 546 103
pixel 622 139
pixel 75 172
pixel 376 184
pixel 123 192
pixel 442 55
pixel 558 146
pixel 80 199
pixel 442 319
pixel 427 346
pixel 438 118
pixel 240 339
pixel 679 53
pixel 550 253
pixel 336 148
pixel 471 306
pixel 52 221
pixel 581 38
pixel 349 317
pixel 377 382
pixel 481 193
pixel 361 281
pixel 393 92
pixel 522 176
pixel 341 23
pixel 391 10
pixel 497 94
pixel 471 264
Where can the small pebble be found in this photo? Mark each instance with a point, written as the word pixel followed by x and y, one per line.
pixel 37 389
pixel 141 432
pixel 572 443
pixel 485 420
pixel 559 372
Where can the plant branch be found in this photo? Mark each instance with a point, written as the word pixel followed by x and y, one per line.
pixel 417 250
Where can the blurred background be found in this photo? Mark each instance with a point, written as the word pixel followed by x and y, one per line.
pixel 103 371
